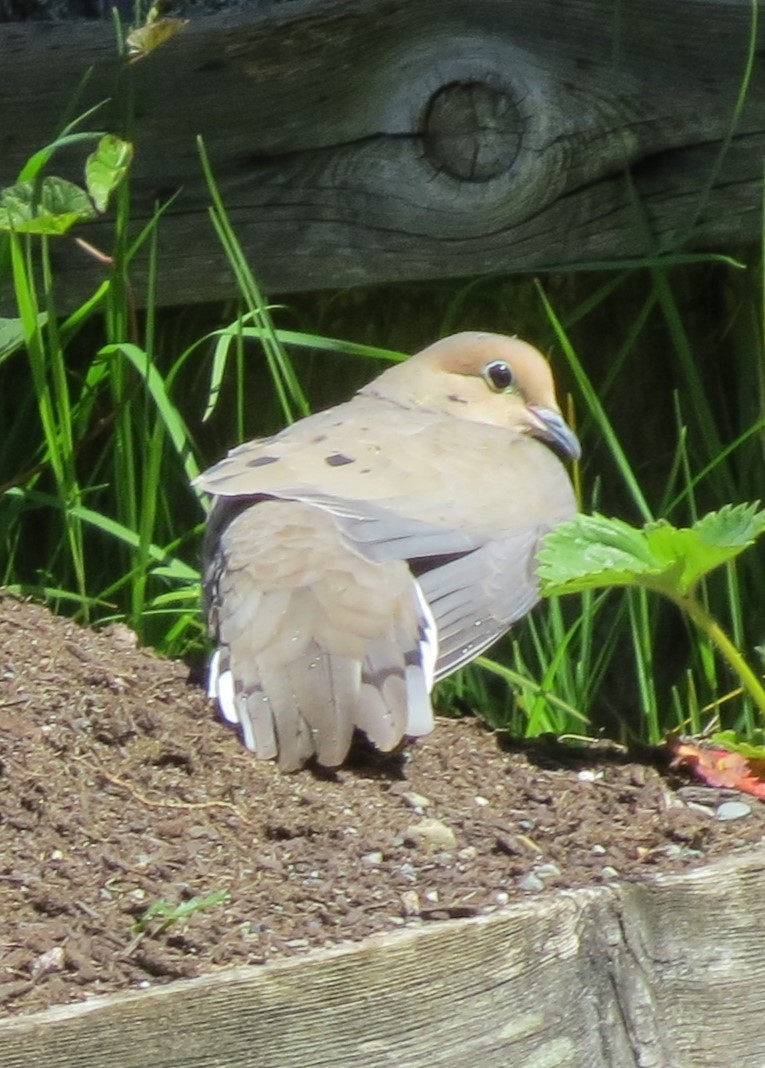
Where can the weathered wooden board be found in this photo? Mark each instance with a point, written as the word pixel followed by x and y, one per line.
pixel 363 141
pixel 663 974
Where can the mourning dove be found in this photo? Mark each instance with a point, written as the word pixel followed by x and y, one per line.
pixel 369 550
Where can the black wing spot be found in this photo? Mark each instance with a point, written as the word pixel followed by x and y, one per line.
pixel 262 461
pixel 336 459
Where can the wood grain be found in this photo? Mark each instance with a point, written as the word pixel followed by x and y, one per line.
pixel 662 974
pixel 361 141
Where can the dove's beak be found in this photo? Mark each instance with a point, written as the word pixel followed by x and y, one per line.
pixel 551 427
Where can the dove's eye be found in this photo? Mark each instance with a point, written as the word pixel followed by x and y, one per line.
pixel 499 376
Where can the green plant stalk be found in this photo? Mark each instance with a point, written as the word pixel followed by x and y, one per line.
pixel 683 349
pixel 596 410
pixel 126 427
pixel 735 118
pixel 52 399
pixel 737 626
pixel 151 463
pixel 696 611
pixel 522 682
pixel 640 629
pixel 288 388
pixel 62 400
pixel 693 712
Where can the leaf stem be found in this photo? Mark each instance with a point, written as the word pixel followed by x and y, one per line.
pixel 701 617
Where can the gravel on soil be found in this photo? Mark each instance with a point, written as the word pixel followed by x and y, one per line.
pixel 122 791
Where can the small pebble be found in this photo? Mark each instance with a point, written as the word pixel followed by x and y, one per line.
pixel 122 637
pixel 599 850
pixel 416 801
pixel 501 897
pixel 468 853
pixel 589 775
pixel 430 834
pixel 410 903
pixel 546 871
pixel 253 929
pixel 51 961
pixel 531 882
pixel 371 860
pixel 482 802
pixel 607 872
pixel 733 810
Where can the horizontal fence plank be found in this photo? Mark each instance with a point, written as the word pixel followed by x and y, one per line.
pixel 364 141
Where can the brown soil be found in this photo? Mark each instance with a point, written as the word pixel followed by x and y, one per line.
pixel 120 789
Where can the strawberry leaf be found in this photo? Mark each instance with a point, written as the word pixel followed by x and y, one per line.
pixel 51 206
pixel 106 167
pixel 594 552
pixel 752 747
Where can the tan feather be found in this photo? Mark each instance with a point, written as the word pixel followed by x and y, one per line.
pixel 369 548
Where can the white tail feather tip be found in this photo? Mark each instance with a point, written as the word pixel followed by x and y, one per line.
pixel 220 686
pixel 428 643
pixel 213 671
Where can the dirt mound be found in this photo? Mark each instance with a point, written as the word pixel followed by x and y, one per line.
pixel 120 790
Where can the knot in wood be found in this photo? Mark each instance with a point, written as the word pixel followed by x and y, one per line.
pixel 472 131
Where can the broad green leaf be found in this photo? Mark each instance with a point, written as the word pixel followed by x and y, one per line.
pixel 737 524
pixel 714 540
pixel 106 167
pixel 593 552
pixel 51 206
pixel 13 336
pixel 753 747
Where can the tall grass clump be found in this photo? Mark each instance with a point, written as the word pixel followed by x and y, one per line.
pixel 95 453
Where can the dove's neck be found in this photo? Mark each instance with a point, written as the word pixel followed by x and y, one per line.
pixel 405 388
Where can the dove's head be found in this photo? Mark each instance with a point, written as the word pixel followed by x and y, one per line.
pixel 488 378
